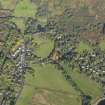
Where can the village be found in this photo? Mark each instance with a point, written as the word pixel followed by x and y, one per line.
pixel 63 42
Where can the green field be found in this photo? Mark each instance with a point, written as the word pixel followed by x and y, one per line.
pixel 47 77
pixel 42 45
pixel 25 9
pixel 88 86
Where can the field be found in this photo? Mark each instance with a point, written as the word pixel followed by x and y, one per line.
pixel 25 9
pixel 87 87
pixel 44 46
pixel 48 79
pixel 49 84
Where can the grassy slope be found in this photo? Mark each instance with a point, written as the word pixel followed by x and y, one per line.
pixel 87 85
pixel 25 9
pixel 41 45
pixel 47 76
pixel 45 47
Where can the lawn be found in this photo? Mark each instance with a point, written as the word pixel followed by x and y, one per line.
pixel 48 77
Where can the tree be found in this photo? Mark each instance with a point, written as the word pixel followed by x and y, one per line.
pixel 42 10
pixel 31 25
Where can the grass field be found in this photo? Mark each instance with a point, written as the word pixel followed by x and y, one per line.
pixel 47 77
pixel 87 85
pixel 25 9
pixel 44 46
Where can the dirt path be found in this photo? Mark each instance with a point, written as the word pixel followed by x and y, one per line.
pixel 99 101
